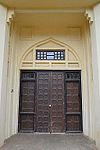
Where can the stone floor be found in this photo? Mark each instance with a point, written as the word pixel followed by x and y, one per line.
pixel 48 142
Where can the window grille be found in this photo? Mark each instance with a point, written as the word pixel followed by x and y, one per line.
pixel 50 54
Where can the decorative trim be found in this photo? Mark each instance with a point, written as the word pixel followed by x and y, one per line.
pixel 89 15
pixel 50 39
pixel 10 15
pixel 51 11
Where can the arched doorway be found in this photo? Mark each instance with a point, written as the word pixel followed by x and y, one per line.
pixel 50 89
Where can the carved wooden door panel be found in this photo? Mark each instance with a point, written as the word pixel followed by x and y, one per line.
pixel 43 102
pixel 57 102
pixel 27 102
pixel 73 102
pixel 50 101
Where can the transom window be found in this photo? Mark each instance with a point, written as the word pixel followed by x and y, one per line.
pixel 50 54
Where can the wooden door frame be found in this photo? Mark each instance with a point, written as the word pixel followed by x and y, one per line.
pixel 79 71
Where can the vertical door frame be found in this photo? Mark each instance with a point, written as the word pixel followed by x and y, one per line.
pixel 34 125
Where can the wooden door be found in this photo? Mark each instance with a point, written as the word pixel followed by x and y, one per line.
pixel 57 102
pixel 43 102
pixel 50 101
pixel 73 102
pixel 27 102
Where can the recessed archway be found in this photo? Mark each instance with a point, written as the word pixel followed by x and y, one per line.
pixel 71 61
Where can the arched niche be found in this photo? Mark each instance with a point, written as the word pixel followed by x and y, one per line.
pixel 71 61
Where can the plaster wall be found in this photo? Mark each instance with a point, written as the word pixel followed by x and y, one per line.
pixel 70 29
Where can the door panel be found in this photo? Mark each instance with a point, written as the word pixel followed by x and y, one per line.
pixel 57 102
pixel 73 99
pixel 73 102
pixel 73 123
pixel 27 102
pixel 27 123
pixel 43 100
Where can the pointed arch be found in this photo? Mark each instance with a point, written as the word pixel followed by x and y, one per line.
pixel 28 59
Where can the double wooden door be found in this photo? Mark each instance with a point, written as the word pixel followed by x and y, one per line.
pixel 50 101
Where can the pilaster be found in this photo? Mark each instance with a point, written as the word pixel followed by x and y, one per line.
pixel 95 42
pixel 3 15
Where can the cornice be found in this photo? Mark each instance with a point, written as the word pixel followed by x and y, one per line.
pixel 49 11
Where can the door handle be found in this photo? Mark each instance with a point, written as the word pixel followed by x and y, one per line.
pixel 49 106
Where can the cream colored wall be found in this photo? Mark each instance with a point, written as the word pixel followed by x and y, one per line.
pixel 24 37
pixel 88 73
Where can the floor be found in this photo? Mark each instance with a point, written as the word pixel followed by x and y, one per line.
pixel 48 142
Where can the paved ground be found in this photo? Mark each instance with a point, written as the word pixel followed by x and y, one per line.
pixel 48 142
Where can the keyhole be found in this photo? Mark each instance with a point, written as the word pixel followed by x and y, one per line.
pixel 49 106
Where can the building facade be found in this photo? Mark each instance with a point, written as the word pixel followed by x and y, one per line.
pixel 49 68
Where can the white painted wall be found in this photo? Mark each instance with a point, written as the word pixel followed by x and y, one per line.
pixel 95 41
pixel 3 70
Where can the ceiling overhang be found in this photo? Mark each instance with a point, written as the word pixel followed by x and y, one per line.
pixel 48 4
